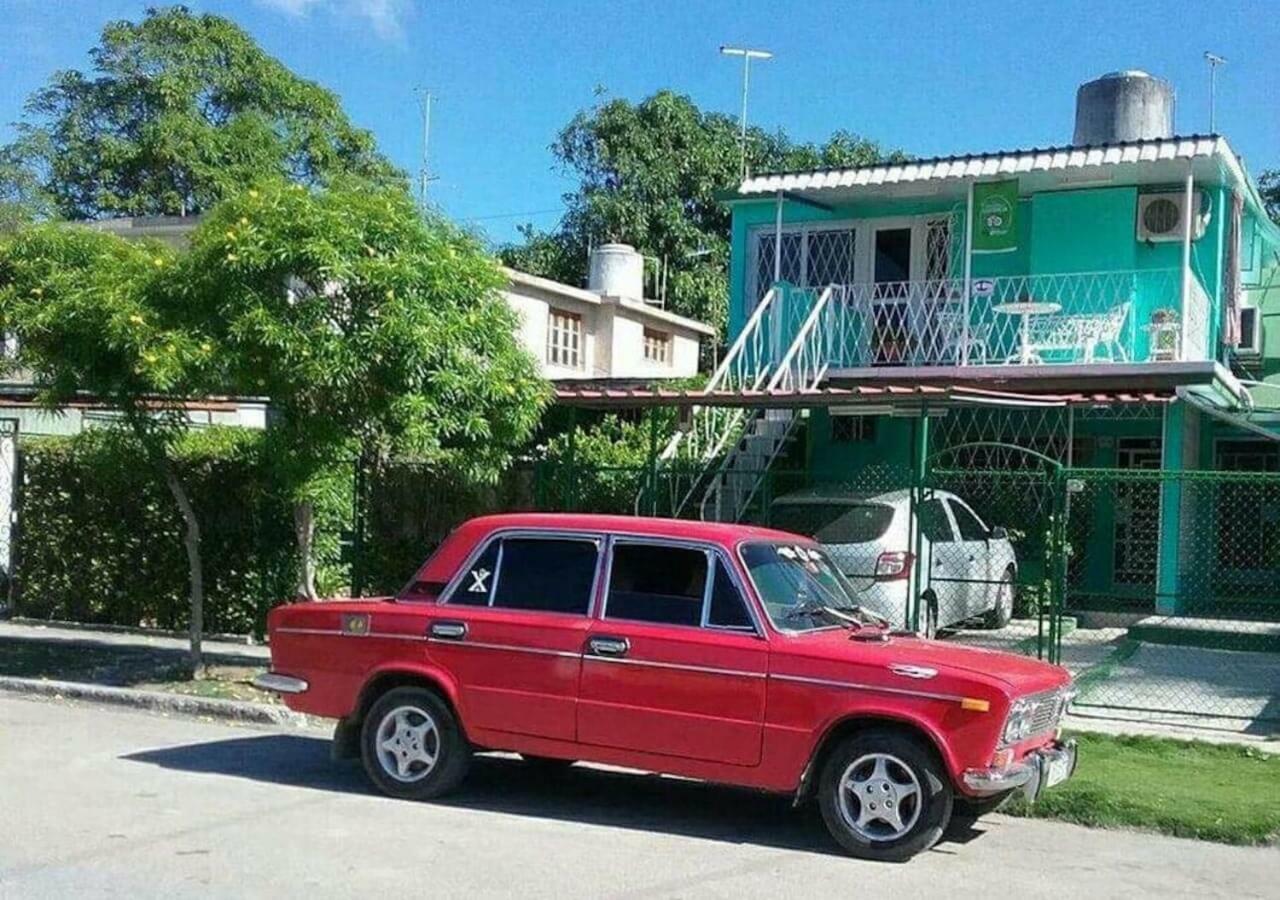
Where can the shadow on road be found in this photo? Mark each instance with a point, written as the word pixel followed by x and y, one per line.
pixel 503 784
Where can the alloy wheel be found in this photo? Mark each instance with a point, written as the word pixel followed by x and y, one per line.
pixel 879 797
pixel 407 744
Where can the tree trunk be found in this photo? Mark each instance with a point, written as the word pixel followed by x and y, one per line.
pixel 195 565
pixel 304 527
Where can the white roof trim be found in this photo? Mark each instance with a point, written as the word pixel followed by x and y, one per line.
pixel 993 164
pixel 636 308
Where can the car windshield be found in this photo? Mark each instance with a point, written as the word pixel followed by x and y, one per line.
pixel 797 584
pixel 833 522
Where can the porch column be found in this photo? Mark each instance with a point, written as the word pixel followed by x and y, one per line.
pixel 1175 562
pixel 968 275
pixel 1185 351
pixel 777 238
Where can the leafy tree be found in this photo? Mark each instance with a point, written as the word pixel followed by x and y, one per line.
pixel 649 175
pixel 180 110
pixel 373 331
pixel 1269 185
pixel 98 316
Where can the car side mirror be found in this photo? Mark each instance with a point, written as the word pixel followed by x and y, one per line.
pixel 999 533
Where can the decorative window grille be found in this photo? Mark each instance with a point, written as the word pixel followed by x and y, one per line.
pixel 937 250
pixel 564 339
pixel 657 347
pixel 812 256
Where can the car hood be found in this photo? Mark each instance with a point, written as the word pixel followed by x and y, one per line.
pixel 1019 674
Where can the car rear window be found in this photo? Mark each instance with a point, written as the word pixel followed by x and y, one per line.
pixel 834 523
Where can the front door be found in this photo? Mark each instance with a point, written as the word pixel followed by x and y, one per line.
pixel 1137 514
pixel 891 297
pixel 675 665
pixel 511 631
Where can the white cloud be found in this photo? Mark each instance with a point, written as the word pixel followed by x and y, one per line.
pixel 386 18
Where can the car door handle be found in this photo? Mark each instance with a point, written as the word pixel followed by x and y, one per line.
pixel 449 631
pixel 609 646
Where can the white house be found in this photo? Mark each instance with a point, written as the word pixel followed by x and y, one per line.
pixel 607 331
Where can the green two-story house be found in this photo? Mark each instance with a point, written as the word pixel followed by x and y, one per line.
pixel 1111 304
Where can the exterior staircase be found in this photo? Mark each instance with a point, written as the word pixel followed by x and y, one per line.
pixel 737 446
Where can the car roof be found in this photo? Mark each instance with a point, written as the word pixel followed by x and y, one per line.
pixel 713 532
pixel 833 495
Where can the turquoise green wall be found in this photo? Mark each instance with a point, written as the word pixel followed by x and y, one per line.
pixel 1086 230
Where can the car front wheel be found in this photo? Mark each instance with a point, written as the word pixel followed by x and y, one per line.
pixel 411 745
pixel 1002 608
pixel 884 795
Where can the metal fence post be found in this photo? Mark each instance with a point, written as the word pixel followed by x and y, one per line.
pixel 919 475
pixel 653 462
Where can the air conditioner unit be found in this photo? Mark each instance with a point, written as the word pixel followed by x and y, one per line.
pixel 1248 331
pixel 1160 216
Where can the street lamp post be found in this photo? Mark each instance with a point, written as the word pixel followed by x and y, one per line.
pixel 747 55
pixel 1214 60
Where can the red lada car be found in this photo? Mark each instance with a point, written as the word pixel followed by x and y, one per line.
pixel 721 652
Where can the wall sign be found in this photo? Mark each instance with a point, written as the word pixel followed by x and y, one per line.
pixel 995 216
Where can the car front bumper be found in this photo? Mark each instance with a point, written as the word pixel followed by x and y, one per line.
pixel 1038 770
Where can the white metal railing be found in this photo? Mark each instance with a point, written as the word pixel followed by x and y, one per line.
pixel 1071 318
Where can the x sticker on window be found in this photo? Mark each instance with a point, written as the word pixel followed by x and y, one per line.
pixel 478 579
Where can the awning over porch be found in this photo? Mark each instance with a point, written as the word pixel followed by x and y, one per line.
pixel 871 395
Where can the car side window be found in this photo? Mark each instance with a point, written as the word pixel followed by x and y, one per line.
pixel 546 574
pixel 728 607
pixel 970 528
pixel 656 583
pixel 934 523
pixel 476 586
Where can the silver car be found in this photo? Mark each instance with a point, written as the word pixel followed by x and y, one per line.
pixel 967 569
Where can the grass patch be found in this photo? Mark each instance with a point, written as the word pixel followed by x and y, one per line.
pixel 1213 792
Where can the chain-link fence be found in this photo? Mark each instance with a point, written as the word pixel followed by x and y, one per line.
pixel 1173 585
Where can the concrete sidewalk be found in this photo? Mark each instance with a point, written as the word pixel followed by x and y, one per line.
pixel 248 654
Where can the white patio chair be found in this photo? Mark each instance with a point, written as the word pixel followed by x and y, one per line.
pixel 1083 335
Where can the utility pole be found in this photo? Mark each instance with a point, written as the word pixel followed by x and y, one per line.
pixel 424 177
pixel 747 55
pixel 1214 60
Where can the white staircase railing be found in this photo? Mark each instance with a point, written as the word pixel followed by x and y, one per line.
pixel 743 469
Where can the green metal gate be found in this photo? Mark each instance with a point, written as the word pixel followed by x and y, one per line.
pixel 991 544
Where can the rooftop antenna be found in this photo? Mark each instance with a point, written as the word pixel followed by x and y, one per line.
pixel 747 55
pixel 1214 60
pixel 425 97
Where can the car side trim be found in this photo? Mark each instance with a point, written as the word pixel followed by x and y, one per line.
pixel 335 632
pixel 513 648
pixel 856 686
pixel 650 663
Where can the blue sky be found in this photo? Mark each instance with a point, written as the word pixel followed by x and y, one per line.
pixel 926 77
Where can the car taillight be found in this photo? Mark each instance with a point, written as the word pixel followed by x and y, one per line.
pixel 893 566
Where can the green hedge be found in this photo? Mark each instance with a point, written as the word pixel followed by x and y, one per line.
pixel 99 537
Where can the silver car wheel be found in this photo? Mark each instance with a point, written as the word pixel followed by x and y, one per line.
pixel 407 743
pixel 879 797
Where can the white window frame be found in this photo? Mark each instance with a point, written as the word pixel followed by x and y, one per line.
pixel 558 353
pixel 863 245
pixel 660 342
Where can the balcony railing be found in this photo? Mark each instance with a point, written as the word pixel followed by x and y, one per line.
pixel 1066 319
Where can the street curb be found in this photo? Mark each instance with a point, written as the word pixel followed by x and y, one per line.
pixel 66 625
pixel 156 701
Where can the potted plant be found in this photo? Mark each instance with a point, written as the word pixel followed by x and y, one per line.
pixel 1163 332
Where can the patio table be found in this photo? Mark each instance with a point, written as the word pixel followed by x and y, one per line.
pixel 1027 309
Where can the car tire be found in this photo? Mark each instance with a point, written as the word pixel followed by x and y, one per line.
pixel 875 775
pixel 412 746
pixel 1002 609
pixel 970 809
pixel 929 616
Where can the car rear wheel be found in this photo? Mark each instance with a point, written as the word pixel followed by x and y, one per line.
pixel 884 795
pixel 1002 608
pixel 929 616
pixel 411 745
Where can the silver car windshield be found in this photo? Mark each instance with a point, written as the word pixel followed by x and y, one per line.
pixel 795 582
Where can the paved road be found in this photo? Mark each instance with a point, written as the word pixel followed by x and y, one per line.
pixel 99 802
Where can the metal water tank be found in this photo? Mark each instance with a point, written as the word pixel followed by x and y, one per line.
pixel 616 270
pixel 1123 106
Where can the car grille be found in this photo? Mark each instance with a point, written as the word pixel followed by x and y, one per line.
pixel 1047 711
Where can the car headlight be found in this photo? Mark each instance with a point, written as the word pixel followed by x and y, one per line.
pixel 1018 725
